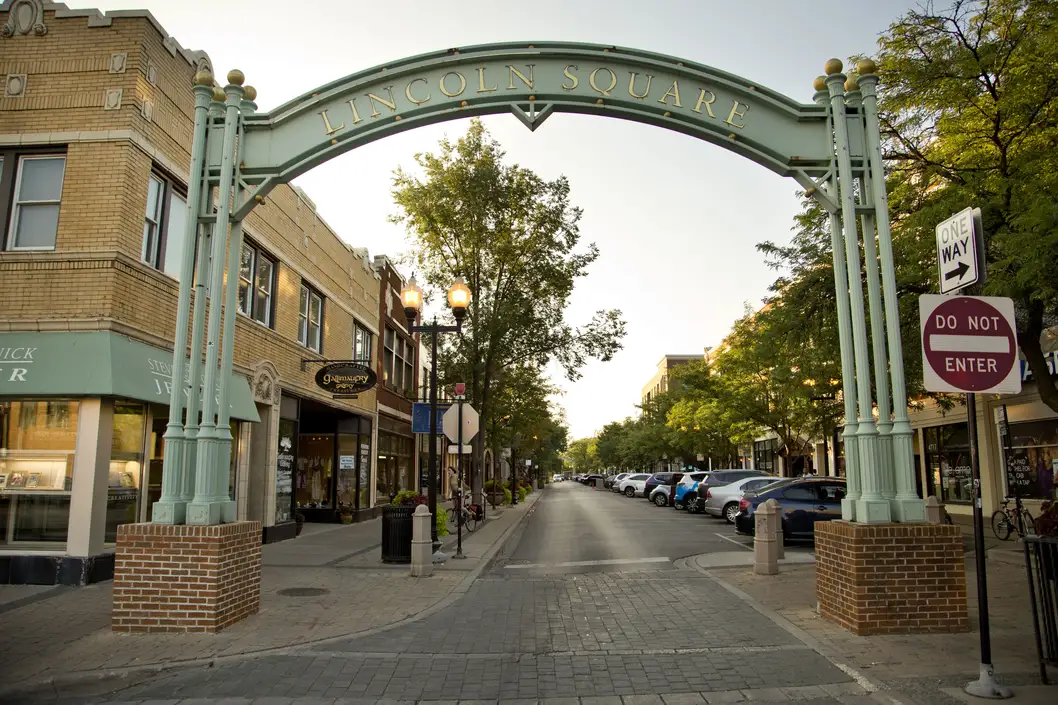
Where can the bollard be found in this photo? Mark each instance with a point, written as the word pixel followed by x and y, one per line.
pixel 934 510
pixel 780 545
pixel 421 543
pixel 765 555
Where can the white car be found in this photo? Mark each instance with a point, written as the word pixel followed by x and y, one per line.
pixel 557 478
pixel 722 501
pixel 634 485
pixel 616 485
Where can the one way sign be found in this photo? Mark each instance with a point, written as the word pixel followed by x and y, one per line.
pixel 959 248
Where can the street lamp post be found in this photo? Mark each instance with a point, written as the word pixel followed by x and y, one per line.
pixel 517 441
pixel 458 300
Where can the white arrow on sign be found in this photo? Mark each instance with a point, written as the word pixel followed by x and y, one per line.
pixel 450 423
pixel 958 240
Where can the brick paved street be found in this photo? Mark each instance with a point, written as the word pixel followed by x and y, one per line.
pixel 593 599
pixel 619 625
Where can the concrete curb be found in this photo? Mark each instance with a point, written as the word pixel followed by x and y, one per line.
pixel 878 690
pixel 53 683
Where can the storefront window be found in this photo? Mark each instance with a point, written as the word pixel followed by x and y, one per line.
pixel 347 447
pixel 126 466
pixel 1033 459
pixel 395 472
pixel 948 461
pixel 315 470
pixel 37 442
pixel 285 457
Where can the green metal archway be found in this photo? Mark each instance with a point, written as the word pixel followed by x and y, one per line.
pixel 830 147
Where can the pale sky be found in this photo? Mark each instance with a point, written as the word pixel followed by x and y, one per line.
pixel 676 219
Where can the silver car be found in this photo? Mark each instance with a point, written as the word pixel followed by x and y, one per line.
pixel 722 501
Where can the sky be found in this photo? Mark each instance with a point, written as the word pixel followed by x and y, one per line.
pixel 676 220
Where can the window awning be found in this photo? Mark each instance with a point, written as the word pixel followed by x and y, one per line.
pixel 97 363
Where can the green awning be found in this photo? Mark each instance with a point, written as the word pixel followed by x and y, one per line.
pixel 93 364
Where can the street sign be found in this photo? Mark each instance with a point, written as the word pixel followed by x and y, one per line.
pixel 450 423
pixel 461 388
pixel 969 344
pixel 454 449
pixel 959 249
pixel 420 416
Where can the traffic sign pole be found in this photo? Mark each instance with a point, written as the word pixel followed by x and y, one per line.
pixel 459 476
pixel 985 686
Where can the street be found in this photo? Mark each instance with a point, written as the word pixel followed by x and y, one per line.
pixel 589 599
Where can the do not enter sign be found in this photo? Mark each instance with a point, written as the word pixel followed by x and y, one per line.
pixel 969 344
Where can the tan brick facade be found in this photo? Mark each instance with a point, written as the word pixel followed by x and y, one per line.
pixel 95 279
pixel 112 94
pixel 186 578
pixel 891 578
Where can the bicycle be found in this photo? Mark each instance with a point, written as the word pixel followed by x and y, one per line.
pixel 469 514
pixel 1007 520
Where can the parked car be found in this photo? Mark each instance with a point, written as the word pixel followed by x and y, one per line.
pixel 608 481
pixel 687 488
pixel 716 478
pixel 722 500
pixel 594 479
pixel 804 501
pixel 658 479
pixel 616 484
pixel 558 478
pixel 633 485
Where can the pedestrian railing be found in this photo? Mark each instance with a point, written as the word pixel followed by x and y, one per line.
pixel 1041 564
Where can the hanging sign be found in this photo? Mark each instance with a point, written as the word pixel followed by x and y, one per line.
pixel 345 378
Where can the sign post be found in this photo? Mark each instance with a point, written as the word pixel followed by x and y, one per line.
pixel 969 345
pixel 460 423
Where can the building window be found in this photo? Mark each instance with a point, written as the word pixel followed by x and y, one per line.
pixel 35 201
pixel 164 226
pixel 1031 462
pixel 361 343
pixel 948 460
pixel 397 365
pixel 257 273
pixel 310 319
pixel 764 456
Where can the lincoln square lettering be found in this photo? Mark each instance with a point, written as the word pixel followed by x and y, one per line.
pixel 467 83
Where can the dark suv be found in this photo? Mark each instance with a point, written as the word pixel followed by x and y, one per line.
pixel 661 478
pixel 717 478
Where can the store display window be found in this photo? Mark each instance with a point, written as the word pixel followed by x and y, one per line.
pixel 948 461
pixel 126 467
pixel 1032 461
pixel 37 442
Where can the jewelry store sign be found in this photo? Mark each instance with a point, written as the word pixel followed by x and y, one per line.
pixel 345 380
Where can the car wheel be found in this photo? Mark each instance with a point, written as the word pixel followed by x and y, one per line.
pixel 659 499
pixel 730 510
pixel 630 492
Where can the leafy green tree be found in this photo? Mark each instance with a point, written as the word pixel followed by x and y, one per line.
pixel 514 238
pixel 970 118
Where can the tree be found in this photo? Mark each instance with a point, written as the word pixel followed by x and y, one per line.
pixel 581 455
pixel 514 238
pixel 970 118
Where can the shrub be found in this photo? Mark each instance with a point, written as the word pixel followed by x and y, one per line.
pixel 506 496
pixel 442 521
pixel 409 498
pixel 521 494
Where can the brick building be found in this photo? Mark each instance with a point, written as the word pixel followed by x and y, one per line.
pixel 398 385
pixel 95 138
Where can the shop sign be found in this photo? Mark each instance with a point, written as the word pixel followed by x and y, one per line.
pixel 347 462
pixel 1052 365
pixel 344 379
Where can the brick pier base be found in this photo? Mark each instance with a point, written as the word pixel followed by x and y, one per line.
pixel 186 578
pixel 891 578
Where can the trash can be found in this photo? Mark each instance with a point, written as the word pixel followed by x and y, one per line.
pixel 396 534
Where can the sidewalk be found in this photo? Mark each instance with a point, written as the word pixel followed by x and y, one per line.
pixel 326 584
pixel 921 668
